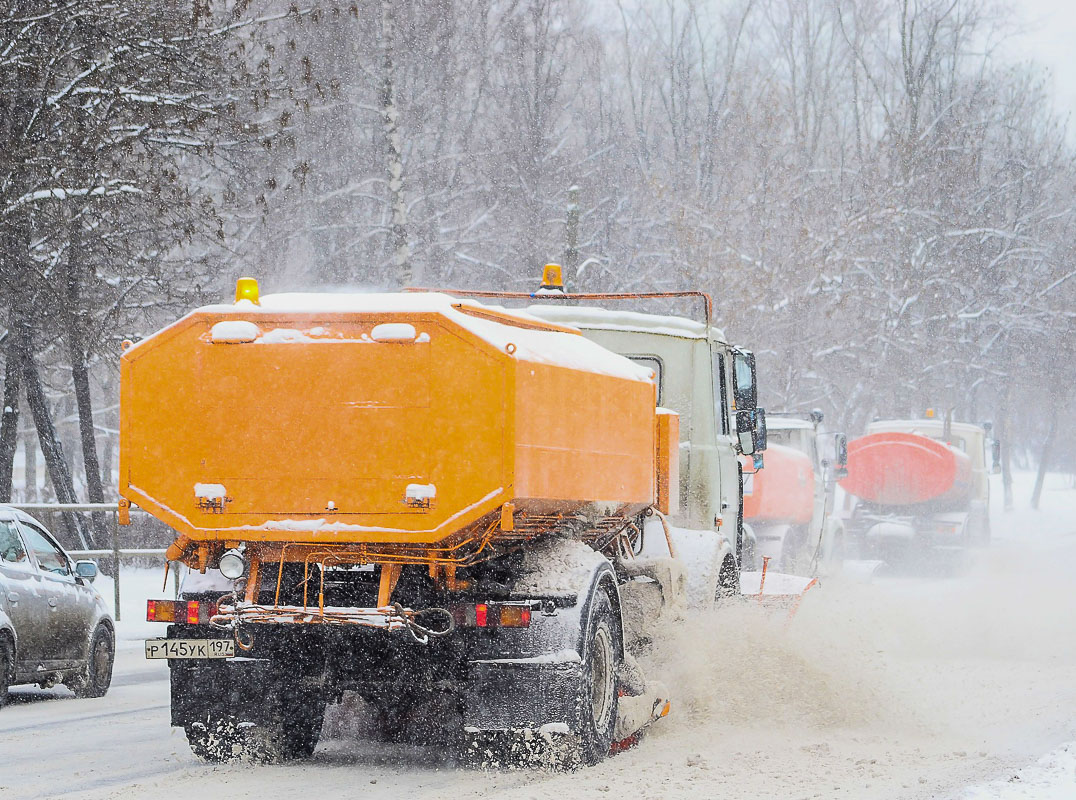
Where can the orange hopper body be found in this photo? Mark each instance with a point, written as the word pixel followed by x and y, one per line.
pixel 906 469
pixel 783 491
pixel 381 421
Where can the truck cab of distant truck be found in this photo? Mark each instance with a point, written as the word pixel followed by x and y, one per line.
pixel 711 385
pixel 804 535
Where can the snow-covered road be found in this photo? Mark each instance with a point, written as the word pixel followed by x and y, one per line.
pixel 901 688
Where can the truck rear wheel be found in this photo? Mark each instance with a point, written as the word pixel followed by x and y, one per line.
pixel 601 663
pixel 215 739
pixel 293 734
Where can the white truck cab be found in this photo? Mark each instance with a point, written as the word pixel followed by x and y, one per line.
pixel 818 545
pixel 711 385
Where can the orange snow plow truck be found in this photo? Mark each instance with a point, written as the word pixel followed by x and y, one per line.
pixel 436 504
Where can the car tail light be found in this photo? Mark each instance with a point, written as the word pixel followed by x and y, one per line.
pixel 481 615
pixel 192 612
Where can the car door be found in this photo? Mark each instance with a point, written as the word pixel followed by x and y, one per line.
pixel 21 597
pixel 65 631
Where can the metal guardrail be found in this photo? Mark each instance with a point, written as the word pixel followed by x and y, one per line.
pixel 115 551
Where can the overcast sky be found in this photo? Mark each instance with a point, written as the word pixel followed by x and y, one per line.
pixel 1050 39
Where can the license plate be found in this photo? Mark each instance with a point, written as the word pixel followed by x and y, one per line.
pixel 190 648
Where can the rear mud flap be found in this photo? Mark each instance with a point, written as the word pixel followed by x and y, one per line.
pixel 507 695
pixel 241 688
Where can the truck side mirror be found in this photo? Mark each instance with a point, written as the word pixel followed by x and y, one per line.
pixel 841 469
pixel 751 431
pixel 743 380
pixel 995 451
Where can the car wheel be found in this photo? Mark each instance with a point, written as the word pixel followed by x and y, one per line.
pixel 96 676
pixel 7 658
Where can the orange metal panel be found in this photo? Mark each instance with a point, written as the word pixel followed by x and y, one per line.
pixel 668 462
pixel 325 434
pixel 892 468
pixel 582 436
pixel 783 490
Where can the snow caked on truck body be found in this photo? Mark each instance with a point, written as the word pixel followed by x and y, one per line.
pixel 437 504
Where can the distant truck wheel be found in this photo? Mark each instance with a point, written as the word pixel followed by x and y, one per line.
pixel 601 664
pixel 978 531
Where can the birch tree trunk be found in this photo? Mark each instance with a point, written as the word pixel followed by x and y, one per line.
pixel 394 145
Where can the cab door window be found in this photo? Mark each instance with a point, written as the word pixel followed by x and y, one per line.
pixel 654 363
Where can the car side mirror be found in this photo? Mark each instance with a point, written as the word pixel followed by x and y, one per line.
pixel 87 570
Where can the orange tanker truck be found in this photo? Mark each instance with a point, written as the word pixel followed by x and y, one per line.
pixel 920 487
pixel 789 504
pixel 437 504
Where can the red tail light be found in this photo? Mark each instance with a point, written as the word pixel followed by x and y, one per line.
pixel 515 616
pixel 160 611
pixel 192 612
pixel 495 615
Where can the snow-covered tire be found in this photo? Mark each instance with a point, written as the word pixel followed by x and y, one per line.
pixel 598 692
pixel 294 734
pixel 214 739
pixel 96 676
pixel 7 658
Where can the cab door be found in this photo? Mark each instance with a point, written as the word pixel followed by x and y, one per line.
pixel 20 597
pixel 727 501
pixel 66 630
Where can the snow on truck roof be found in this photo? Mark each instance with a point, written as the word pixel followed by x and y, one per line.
pixel 533 339
pixel 925 426
pixel 594 318
pixel 777 422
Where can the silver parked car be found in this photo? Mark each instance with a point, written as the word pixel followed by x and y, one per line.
pixel 54 626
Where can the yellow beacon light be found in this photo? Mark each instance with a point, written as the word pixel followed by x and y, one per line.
pixel 930 413
pixel 552 277
pixel 247 289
